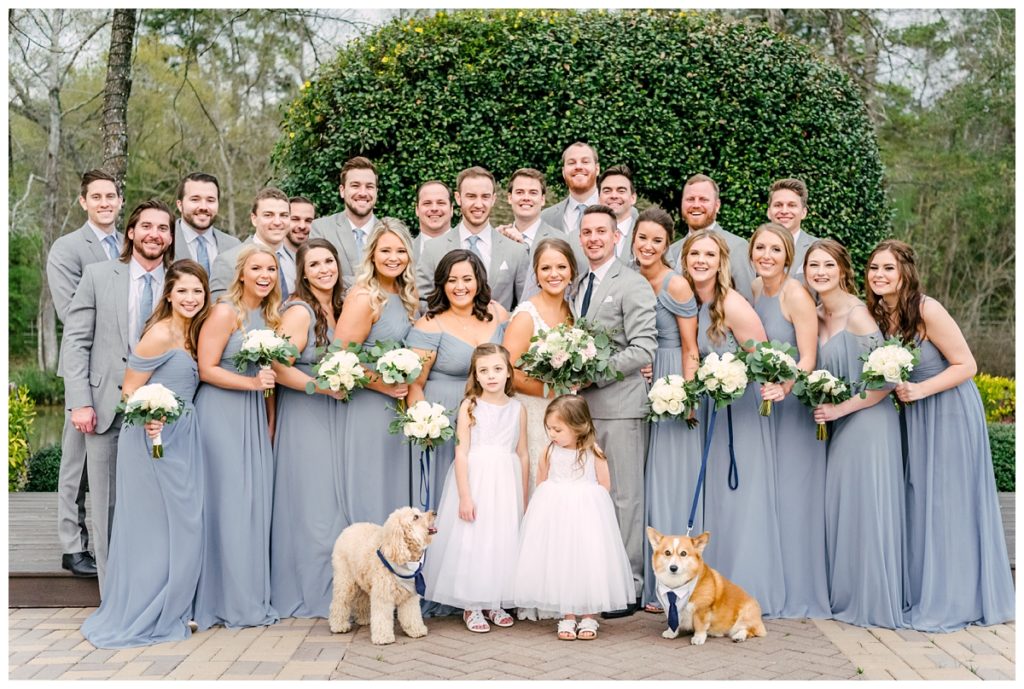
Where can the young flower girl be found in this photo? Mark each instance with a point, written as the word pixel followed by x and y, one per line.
pixel 472 559
pixel 571 558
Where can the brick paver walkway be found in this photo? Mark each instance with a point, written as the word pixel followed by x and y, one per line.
pixel 47 644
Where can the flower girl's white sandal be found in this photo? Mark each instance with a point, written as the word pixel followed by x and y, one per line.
pixel 475 621
pixel 567 630
pixel 587 629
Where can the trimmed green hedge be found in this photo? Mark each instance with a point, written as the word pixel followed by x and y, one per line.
pixel 670 93
pixel 44 469
pixel 1001 437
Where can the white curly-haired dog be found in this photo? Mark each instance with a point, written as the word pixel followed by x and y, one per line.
pixel 377 569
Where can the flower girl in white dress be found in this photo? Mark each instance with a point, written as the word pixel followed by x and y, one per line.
pixel 471 562
pixel 571 557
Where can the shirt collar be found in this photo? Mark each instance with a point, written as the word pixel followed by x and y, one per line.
pixel 136 271
pixel 484 234
pixel 190 232
pixel 602 271
pixel 366 227
pixel 259 242
pixel 589 201
pixel 100 234
pixel 683 593
pixel 531 231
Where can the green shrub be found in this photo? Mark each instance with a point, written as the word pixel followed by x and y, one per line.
pixel 21 411
pixel 669 93
pixel 45 387
pixel 44 469
pixel 1001 437
pixel 999 397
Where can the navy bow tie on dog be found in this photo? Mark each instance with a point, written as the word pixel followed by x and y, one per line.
pixel 673 612
pixel 417 576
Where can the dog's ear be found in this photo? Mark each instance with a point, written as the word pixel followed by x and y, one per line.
pixel 701 541
pixel 653 536
pixel 393 540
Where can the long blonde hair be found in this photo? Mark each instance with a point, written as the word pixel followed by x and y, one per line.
pixel 366 276
pixel 271 304
pixel 723 281
pixel 473 387
pixel 784 235
pixel 574 411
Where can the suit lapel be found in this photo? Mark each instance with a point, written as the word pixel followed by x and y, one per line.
pixel 597 299
pixel 348 242
pixel 497 255
pixel 95 247
pixel 122 283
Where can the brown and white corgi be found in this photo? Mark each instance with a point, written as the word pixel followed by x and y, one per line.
pixel 695 596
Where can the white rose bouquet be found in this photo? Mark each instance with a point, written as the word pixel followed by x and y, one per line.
pixel 339 369
pixel 569 356
pixel 264 347
pixel 889 363
pixel 722 378
pixel 769 362
pixel 820 387
pixel 426 425
pixel 153 402
pixel 393 363
pixel 673 397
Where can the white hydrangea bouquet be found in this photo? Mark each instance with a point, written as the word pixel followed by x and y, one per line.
pixel 339 369
pixel 153 402
pixel 820 387
pixel 264 347
pixel 887 364
pixel 673 397
pixel 723 378
pixel 567 357
pixel 393 363
pixel 427 425
pixel 769 362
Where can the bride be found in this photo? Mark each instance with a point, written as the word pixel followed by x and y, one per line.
pixel 554 268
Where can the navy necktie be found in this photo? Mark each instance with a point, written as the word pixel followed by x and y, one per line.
pixel 673 614
pixel 586 296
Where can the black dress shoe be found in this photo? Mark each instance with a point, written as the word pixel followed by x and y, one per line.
pixel 625 612
pixel 79 564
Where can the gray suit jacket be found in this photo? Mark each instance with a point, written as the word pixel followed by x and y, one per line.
pixel 624 303
pixel 221 239
pixel 96 341
pixel 555 215
pixel 739 265
pixel 417 245
pixel 338 231
pixel 223 269
pixel 796 271
pixel 507 274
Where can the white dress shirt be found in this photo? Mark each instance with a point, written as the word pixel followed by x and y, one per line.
pixel 530 233
pixel 135 273
pixel 101 235
pixel 191 237
pixel 599 274
pixel 484 246
pixel 622 248
pixel 367 228
pixel 570 221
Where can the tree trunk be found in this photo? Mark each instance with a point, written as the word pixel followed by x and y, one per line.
pixel 115 95
pixel 46 322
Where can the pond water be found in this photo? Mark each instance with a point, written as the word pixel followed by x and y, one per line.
pixel 46 427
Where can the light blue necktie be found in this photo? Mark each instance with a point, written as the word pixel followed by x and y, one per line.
pixel 579 215
pixel 360 239
pixel 201 254
pixel 280 275
pixel 473 241
pixel 145 304
pixel 111 244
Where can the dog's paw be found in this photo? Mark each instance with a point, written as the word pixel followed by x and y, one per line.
pixel 416 631
pixel 739 635
pixel 383 640
pixel 669 634
pixel 699 639
pixel 340 627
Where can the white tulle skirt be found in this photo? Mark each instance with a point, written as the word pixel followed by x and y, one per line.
pixel 471 564
pixel 571 557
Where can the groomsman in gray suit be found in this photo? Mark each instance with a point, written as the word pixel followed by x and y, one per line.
pixel 579 170
pixel 303 212
pixel 700 206
pixel 349 229
pixel 787 206
pixel 507 262
pixel 434 212
pixel 94 242
pixel 195 236
pixel 614 297
pixel 103 323
pixel 526 190
pixel 615 190
pixel 271 218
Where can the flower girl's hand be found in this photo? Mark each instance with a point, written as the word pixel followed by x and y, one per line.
pixel 265 379
pixel 153 428
pixel 467 510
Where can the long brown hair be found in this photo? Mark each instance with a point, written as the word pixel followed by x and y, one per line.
pixel 574 411
pixel 473 387
pixel 271 303
pixel 847 282
pixel 304 292
pixel 177 270
pixel 562 247
pixel 438 302
pixel 723 281
pixel 660 217
pixel 905 320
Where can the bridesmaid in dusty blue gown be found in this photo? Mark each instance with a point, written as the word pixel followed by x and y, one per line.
pixel 788 314
pixel 864 520
pixel 958 569
pixel 234 583
pixel 379 307
pixel 673 452
pixel 157 537
pixel 745 543
pixel 460 316
pixel 308 512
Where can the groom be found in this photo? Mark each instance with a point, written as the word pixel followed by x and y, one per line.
pixel 612 296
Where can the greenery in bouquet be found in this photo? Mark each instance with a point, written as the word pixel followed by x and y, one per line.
pixel 567 357
pixel 769 362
